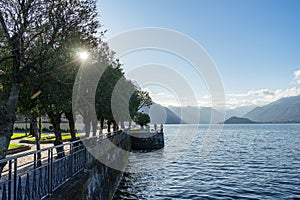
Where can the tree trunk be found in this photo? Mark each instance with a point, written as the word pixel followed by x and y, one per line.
pixel 108 126
pixel 94 124
pixel 40 126
pixel 87 124
pixel 26 127
pixel 7 120
pixel 70 117
pixel 115 125
pixel 37 139
pixel 55 121
pixel 129 124
pixel 6 128
pixel 101 124
pixel 31 125
pixel 123 125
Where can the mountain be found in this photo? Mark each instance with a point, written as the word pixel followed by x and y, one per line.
pixel 197 115
pixel 239 111
pixel 181 115
pixel 283 110
pixel 161 115
pixel 239 120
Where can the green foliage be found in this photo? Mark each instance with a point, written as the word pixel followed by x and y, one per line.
pixel 38 49
pixel 105 88
pixel 38 61
pixel 138 100
pixel 142 119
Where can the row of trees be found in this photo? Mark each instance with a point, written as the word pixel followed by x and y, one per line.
pixel 39 45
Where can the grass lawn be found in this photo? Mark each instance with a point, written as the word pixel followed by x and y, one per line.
pixel 48 138
pixel 23 135
pixel 16 148
pixel 135 129
pixel 13 146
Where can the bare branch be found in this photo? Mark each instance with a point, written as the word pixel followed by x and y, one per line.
pixel 6 58
pixel 4 27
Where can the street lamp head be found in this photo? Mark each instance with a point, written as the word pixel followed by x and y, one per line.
pixel 83 55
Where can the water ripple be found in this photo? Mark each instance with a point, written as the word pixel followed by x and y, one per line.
pixel 249 162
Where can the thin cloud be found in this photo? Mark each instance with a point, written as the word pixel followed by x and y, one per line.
pixel 251 98
pixel 261 92
pixel 260 97
pixel 297 76
pixel 238 95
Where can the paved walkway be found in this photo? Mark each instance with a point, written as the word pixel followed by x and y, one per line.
pixel 28 160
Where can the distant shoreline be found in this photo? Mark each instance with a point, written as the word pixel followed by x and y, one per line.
pixel 239 123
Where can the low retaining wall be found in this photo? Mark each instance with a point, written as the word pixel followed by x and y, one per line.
pixel 99 181
pixel 143 140
pixel 107 160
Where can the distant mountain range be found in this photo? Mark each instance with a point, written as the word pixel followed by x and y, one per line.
pixel 182 115
pixel 160 114
pixel 283 110
pixel 197 115
pixel 239 111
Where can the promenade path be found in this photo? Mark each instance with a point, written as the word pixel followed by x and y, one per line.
pixel 28 160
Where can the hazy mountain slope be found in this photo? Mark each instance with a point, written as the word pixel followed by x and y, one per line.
pixel 172 118
pixel 239 111
pixel 195 115
pixel 283 110
pixel 160 114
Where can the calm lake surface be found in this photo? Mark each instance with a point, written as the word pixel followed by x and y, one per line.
pixel 247 162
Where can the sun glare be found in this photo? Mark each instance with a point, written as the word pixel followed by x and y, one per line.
pixel 83 55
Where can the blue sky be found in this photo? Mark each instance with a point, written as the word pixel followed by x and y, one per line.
pixel 255 44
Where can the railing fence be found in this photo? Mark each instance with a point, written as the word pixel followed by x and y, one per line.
pixel 24 177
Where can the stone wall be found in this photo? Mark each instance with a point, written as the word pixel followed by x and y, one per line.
pixel 98 181
pixel 147 140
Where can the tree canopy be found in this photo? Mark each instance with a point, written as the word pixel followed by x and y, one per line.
pixel 39 45
pixel 142 119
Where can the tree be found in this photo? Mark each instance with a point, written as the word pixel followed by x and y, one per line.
pixel 122 104
pixel 138 100
pixel 144 99
pixel 142 119
pixel 31 32
pixel 29 106
pixel 105 88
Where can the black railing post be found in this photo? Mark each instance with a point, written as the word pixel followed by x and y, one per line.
pixel 71 160
pixel 34 160
pixel 50 177
pixel 15 178
pixel 9 179
pixel 85 156
pixel 50 162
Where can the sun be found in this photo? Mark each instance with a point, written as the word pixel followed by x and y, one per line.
pixel 83 55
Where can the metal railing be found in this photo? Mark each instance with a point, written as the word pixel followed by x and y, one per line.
pixel 29 177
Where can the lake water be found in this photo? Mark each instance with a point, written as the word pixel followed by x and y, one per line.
pixel 246 162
